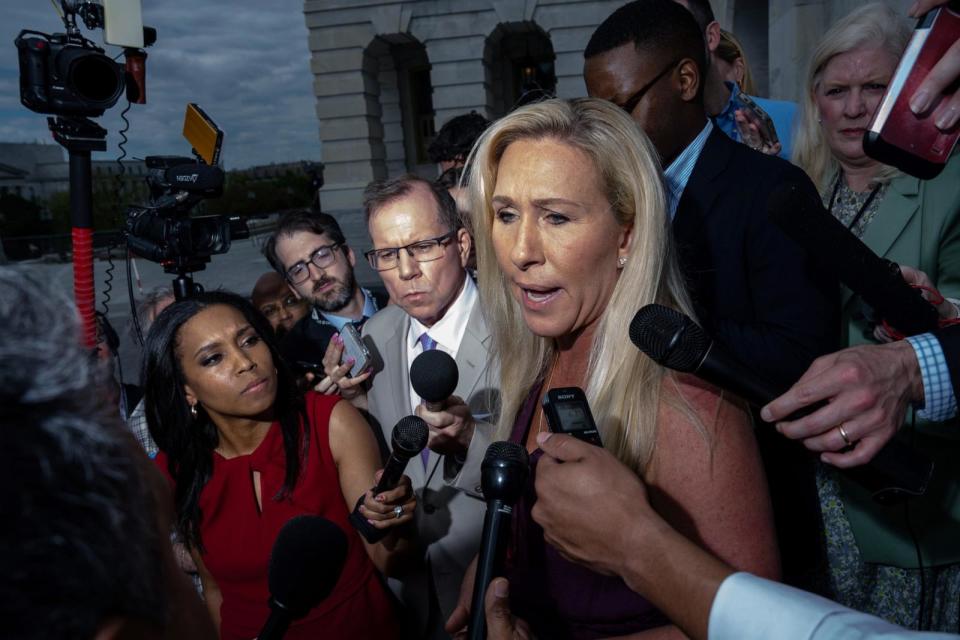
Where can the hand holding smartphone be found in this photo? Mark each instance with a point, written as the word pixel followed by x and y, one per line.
pixel 899 137
pixel 353 347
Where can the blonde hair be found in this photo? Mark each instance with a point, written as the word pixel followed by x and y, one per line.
pixel 874 24
pixel 729 50
pixel 622 385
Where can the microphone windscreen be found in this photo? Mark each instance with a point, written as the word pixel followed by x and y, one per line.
pixel 434 375
pixel 305 563
pixel 669 338
pixel 508 452
pixel 504 471
pixel 410 436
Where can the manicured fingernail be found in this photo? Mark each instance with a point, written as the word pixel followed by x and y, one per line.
pixel 920 101
pixel 379 497
pixel 765 414
pixel 501 589
pixel 337 339
pixel 350 360
pixel 949 118
pixel 543 436
pixel 368 370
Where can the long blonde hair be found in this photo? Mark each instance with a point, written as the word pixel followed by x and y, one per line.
pixel 874 24
pixel 623 385
pixel 729 50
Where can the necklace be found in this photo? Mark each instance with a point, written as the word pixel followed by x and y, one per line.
pixel 546 387
pixel 863 207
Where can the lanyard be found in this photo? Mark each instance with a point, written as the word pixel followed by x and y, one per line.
pixel 863 208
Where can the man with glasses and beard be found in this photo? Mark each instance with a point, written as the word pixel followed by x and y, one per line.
pixel 420 249
pixel 309 251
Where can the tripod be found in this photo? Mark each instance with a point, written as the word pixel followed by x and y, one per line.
pixel 80 136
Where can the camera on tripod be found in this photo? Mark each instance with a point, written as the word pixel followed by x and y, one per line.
pixel 164 231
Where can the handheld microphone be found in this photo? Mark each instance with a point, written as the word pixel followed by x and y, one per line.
pixel 503 475
pixel 434 376
pixel 408 439
pixel 305 564
pixel 802 217
pixel 676 342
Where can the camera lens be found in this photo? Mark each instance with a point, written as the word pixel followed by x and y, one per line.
pixel 94 78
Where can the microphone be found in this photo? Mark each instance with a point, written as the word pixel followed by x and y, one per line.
pixel 434 376
pixel 408 439
pixel 802 217
pixel 676 342
pixel 503 475
pixel 305 564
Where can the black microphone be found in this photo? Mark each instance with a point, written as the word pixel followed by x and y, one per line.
pixel 676 342
pixel 434 376
pixel 503 475
pixel 801 216
pixel 408 439
pixel 305 564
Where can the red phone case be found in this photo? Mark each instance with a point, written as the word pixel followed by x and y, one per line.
pixel 899 137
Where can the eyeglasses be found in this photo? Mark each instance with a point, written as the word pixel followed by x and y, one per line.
pixel 635 99
pixel 323 257
pixel 421 251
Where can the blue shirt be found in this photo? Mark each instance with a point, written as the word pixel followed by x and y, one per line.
pixel 369 308
pixel 678 173
pixel 781 112
pixel 940 403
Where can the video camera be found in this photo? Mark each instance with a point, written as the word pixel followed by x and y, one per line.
pixel 163 231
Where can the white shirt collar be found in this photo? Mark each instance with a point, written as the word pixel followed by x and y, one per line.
pixel 447 331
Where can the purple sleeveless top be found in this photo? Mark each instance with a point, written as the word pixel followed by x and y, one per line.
pixel 562 600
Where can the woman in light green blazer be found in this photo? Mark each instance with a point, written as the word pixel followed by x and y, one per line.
pixel 899 562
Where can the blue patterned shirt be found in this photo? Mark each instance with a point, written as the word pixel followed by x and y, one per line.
pixel 678 173
pixel 940 403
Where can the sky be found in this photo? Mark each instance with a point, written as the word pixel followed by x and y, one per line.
pixel 245 62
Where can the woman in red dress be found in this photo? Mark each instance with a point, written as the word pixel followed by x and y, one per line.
pixel 245 453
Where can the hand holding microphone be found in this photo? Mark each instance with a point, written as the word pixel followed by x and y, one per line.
pixel 434 376
pixel 391 502
pixel 676 342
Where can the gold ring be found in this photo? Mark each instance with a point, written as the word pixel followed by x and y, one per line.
pixel 843 434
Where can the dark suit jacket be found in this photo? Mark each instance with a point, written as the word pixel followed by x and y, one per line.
pixel 758 295
pixel 754 288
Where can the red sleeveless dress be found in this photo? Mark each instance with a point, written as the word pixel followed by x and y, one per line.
pixel 238 538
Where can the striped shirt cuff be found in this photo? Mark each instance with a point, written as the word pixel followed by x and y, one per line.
pixel 940 401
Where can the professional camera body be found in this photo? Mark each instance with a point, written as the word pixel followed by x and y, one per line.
pixel 66 74
pixel 163 231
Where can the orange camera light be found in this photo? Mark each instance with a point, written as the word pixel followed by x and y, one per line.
pixel 203 134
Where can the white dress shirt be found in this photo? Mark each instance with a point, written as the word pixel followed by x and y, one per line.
pixel 447 331
pixel 750 608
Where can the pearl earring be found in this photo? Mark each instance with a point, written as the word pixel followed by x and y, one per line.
pixel 193 411
pixel 622 260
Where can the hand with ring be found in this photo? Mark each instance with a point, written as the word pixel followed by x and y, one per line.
pixel 843 434
pixel 391 508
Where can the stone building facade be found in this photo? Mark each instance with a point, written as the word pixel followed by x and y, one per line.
pixel 389 73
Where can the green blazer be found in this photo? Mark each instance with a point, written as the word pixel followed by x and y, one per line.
pixel 918 225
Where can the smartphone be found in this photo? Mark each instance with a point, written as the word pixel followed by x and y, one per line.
pixel 203 134
pixel 764 123
pixel 896 135
pixel 354 347
pixel 567 412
